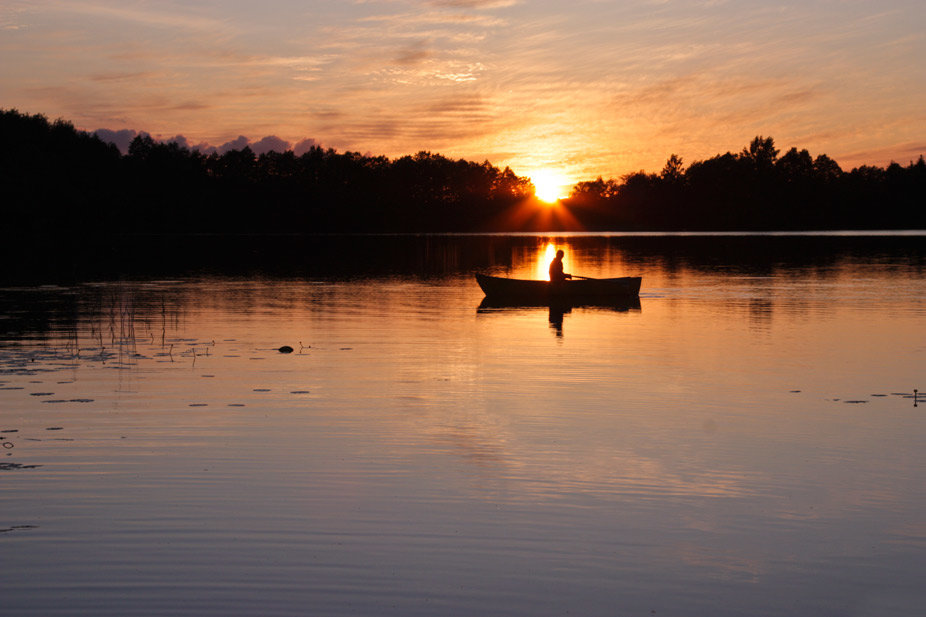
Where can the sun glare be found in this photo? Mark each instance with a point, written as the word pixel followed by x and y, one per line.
pixel 549 186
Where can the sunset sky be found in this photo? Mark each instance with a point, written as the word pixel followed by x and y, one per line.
pixel 581 88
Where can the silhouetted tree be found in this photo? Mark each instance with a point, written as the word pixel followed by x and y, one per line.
pixel 58 180
pixel 826 170
pixel 755 189
pixel 761 152
pixel 674 170
pixel 595 189
pixel 795 167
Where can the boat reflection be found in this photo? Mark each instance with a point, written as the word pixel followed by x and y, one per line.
pixel 558 308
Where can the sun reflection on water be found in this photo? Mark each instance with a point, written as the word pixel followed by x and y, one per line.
pixel 544 256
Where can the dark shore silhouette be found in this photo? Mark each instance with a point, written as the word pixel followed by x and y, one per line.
pixel 59 181
pixel 756 190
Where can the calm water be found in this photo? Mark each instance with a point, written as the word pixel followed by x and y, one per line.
pixel 742 441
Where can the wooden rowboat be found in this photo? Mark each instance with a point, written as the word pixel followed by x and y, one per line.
pixel 539 291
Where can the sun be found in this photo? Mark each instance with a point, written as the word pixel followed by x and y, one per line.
pixel 549 186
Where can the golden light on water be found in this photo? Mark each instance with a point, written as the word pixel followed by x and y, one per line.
pixel 544 257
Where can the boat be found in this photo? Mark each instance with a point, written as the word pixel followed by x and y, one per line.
pixel 496 287
pixel 618 304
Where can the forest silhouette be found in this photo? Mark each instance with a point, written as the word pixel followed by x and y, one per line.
pixel 62 181
pixel 756 189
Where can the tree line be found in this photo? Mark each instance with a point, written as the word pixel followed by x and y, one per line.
pixel 756 189
pixel 59 180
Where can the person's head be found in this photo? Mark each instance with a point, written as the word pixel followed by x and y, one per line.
pixel 560 253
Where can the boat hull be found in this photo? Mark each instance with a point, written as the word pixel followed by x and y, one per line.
pixel 540 291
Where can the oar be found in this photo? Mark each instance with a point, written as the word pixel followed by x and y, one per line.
pixel 587 278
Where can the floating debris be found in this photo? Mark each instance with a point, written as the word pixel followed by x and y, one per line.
pixel 261 389
pixel 300 392
pixel 18 528
pixel 236 405
pixel 41 394
pixel 199 405
pixel 207 375
pixel 10 430
pixel 285 349
pixel 10 466
pixel 55 428
pixel 794 391
pixel 856 402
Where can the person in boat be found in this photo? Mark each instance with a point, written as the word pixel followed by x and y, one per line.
pixel 556 268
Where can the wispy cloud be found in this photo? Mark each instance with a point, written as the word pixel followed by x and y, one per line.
pixel 474 4
pixel 121 76
pixel 413 54
pixel 176 16
pixel 901 153
pixel 593 87
pixel 11 14
pixel 430 18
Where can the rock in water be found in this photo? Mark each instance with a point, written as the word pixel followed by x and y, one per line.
pixel 286 349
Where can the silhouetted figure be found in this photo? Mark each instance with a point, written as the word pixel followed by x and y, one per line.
pixel 556 269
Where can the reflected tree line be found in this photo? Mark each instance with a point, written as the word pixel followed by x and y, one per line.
pixel 58 180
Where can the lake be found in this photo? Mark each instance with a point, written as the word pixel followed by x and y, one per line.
pixel 744 440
